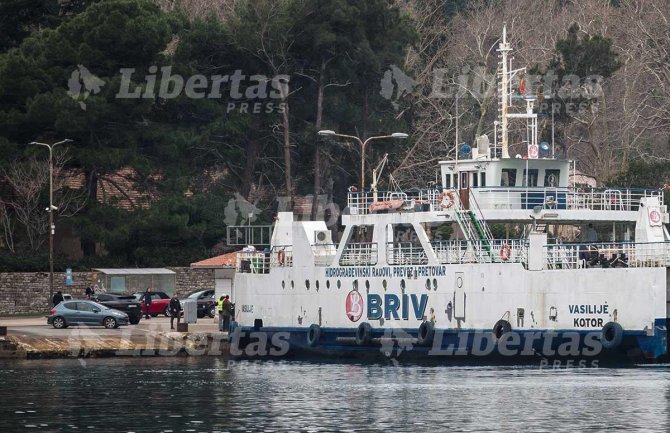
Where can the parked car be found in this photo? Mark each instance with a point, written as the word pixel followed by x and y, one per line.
pixel 82 312
pixel 159 303
pixel 125 303
pixel 206 302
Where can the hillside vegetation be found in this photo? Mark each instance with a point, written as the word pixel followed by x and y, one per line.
pixel 186 116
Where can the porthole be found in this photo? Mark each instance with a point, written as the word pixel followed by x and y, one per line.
pixel 327 284
pixel 384 284
pixel 402 283
pixel 428 284
pixel 283 284
pixel 367 284
pixel 339 284
pixel 434 283
pixel 317 284
pixel 307 284
pixel 292 284
pixel 355 284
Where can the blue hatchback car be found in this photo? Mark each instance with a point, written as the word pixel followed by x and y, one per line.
pixel 89 313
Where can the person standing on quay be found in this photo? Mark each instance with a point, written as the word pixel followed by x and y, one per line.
pixel 219 307
pixel 147 302
pixel 57 299
pixel 175 311
pixel 227 313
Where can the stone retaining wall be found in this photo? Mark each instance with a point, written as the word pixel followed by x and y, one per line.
pixel 189 280
pixel 28 292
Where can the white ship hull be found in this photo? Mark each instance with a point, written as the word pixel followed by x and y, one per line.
pixel 457 299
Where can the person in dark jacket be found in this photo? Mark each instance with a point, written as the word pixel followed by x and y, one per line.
pixel 89 292
pixel 147 302
pixel 175 310
pixel 227 313
pixel 57 299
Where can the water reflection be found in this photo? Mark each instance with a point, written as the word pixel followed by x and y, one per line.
pixel 207 395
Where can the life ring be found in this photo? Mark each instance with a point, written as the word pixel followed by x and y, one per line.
pixel 281 256
pixel 505 252
pixel 446 199
pixel 313 335
pixel 612 335
pixel 501 328
pixel 363 334
pixel 426 333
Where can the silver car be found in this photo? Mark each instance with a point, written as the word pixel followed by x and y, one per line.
pixel 80 312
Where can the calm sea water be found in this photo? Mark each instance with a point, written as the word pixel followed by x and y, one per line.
pixel 208 395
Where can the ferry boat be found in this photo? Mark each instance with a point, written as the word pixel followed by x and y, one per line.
pixel 474 294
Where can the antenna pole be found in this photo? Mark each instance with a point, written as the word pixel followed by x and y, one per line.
pixel 458 177
pixel 503 49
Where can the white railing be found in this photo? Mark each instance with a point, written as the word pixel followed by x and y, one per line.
pixel 363 203
pixel 281 256
pixel 405 253
pixel 359 254
pixel 493 251
pixel 599 199
pixel 324 254
pixel 607 255
pixel 255 262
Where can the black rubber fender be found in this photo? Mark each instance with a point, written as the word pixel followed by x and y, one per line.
pixel 426 333
pixel 363 334
pixel 501 328
pixel 313 335
pixel 612 335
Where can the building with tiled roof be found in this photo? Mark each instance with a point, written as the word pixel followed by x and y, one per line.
pixel 224 272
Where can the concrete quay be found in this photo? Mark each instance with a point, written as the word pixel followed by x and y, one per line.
pixel 31 338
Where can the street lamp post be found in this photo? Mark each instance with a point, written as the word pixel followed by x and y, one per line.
pixel 363 144
pixel 50 209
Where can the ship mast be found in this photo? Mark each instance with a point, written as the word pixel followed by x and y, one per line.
pixel 506 74
pixel 503 91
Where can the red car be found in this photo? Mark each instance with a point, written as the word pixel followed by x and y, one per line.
pixel 159 304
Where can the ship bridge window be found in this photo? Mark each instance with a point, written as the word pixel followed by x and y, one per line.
pixel 475 180
pixel 483 182
pixel 403 246
pixel 359 249
pixel 552 178
pixel 447 181
pixel 508 177
pixel 361 233
pixel 530 177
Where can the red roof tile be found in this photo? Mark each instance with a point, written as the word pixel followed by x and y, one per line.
pixel 223 261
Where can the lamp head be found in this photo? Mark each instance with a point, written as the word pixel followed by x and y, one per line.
pixel 399 135
pixel 326 132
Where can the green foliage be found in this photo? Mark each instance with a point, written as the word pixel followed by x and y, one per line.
pixel 18 18
pixel 640 174
pixel 176 145
pixel 590 55
pixel 443 232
